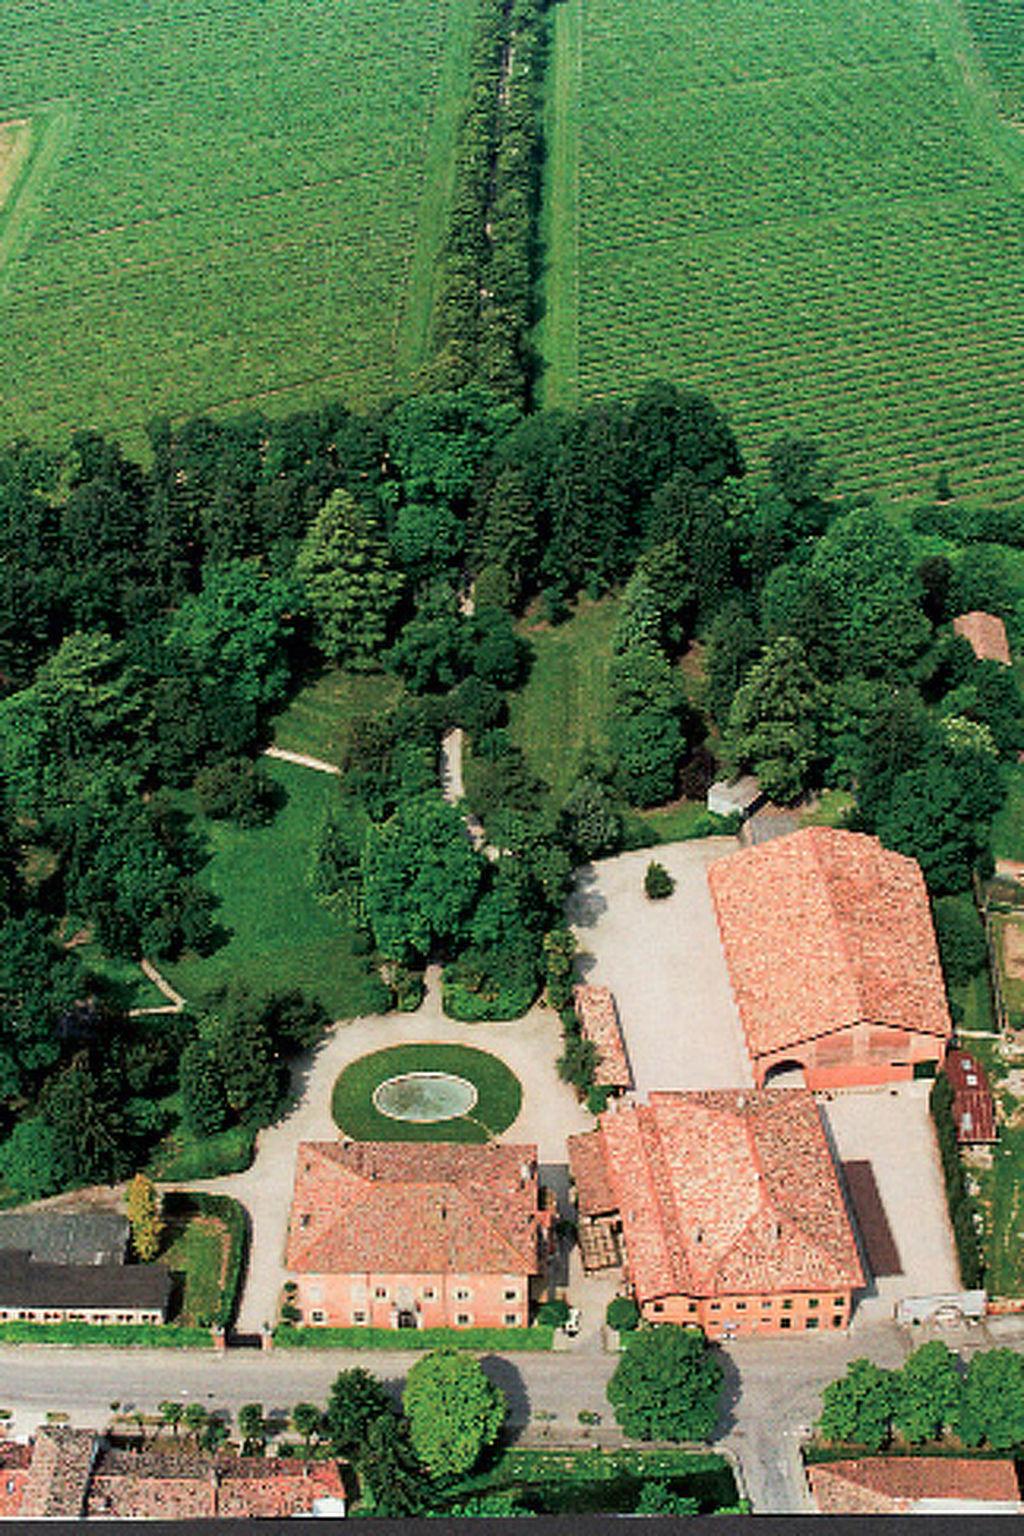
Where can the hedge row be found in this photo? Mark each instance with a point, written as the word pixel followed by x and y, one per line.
pixel 224 1209
pixel 499 1340
pixel 961 1206
pixel 485 308
pixel 109 1335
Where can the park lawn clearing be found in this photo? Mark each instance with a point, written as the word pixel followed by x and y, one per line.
pixel 562 712
pixel 281 936
pixel 15 137
pixel 499 1094
pixel 1007 837
pixel 128 986
pixel 318 721
pixel 680 822
pixel 196 1249
pixel 812 214
pixel 234 219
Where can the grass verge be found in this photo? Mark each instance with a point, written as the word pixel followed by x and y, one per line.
pixel 593 1481
pixel 110 1336
pixel 318 721
pixel 205 1246
pixel 499 1095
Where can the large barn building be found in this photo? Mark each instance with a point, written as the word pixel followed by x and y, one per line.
pixel 832 958
pixel 724 1209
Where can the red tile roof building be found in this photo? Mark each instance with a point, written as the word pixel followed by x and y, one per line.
pixel 986 635
pixel 728 1207
pixel 71 1473
pixel 907 1485
pixel 599 1022
pixel 832 957
pixel 974 1112
pixel 416 1234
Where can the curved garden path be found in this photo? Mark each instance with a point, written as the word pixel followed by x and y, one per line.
pixel 529 1046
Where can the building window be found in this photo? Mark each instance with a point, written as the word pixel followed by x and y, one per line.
pixel 357 1317
pixel 658 1306
pixel 716 1306
pixel 787 1304
pixel 462 1319
pixel 381 1292
pixel 511 1319
pixel 812 1301
pixel 511 1295
pixel 429 1294
pixel 461 1295
pixel 691 1306
pixel 741 1306
pixel 785 1322
pixel 812 1322
pixel 837 1322
pixel 838 1302
pixel 766 1302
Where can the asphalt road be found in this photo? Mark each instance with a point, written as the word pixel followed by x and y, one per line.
pixel 772 1396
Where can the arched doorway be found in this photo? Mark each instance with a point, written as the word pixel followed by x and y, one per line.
pixel 785 1074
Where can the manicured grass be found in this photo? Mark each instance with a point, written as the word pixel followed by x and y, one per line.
pixel 319 719
pixel 832 809
pixel 558 1482
pixel 1007 840
pixel 562 712
pixel 679 822
pixel 811 212
pixel 222 204
pixel 281 935
pixel 499 1094
pixel 200 1238
pixel 128 987
pixel 182 1156
pixel 477 1340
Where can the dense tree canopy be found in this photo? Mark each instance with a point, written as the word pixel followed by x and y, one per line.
pixel 454 1411
pixel 667 1385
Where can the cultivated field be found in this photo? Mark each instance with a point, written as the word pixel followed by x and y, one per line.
pixel 998 26
pixel 224 203
pixel 812 211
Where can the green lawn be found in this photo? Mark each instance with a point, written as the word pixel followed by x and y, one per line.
pixel 1007 840
pixel 129 988
pixel 679 822
pixel 281 935
pixel 195 1250
pixel 223 204
pixel 831 809
pixel 499 1094
pixel 319 718
pixel 813 213
pixel 562 712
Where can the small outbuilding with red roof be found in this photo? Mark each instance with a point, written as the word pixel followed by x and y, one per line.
pixel 974 1110
pixel 915 1485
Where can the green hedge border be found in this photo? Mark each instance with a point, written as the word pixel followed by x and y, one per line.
pixel 109 1335
pixel 499 1094
pixel 488 1340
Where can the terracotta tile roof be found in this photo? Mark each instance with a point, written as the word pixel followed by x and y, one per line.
pixel 178 1485
pixel 422 1208
pixel 986 635
pixel 15 1460
pixel 599 1021
pixel 880 1485
pixel 595 1193
pixel 725 1192
pixel 974 1112
pixel 823 929
pixel 59 1474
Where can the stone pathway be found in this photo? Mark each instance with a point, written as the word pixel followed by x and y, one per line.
pixel 302 759
pixel 175 1001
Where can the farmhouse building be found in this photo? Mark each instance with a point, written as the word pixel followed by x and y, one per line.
pixel 599 1022
pixel 724 1208
pixel 75 1473
pixel 68 1266
pixel 416 1235
pixel 832 958
pixel 915 1485
pixel 986 635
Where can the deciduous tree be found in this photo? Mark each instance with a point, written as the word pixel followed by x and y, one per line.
pixel 667 1385
pixel 454 1411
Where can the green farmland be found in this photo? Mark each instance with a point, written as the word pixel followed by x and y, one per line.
pixel 218 203
pixel 812 211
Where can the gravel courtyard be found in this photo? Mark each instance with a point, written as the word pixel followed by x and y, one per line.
pixel 892 1129
pixel 664 964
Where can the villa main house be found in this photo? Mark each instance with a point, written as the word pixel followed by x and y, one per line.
pixel 416 1235
pixel 831 953
pixel 723 1208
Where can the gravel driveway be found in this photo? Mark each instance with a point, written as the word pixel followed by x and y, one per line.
pixel 663 961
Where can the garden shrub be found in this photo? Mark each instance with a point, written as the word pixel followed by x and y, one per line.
pixel 622 1314
pixel 553 1313
pixel 505 1340
pixel 658 883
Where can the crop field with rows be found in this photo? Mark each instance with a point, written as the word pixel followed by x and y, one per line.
pixel 222 204
pixel 812 211
pixel 998 26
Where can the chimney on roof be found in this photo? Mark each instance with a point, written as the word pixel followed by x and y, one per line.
pixel 741 1101
pixel 776 1230
pixel 698 1234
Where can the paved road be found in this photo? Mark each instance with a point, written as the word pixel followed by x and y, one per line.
pixel 773 1387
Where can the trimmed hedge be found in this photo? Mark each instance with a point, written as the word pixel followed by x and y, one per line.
pixel 491 1340
pixel 109 1335
pixel 961 1206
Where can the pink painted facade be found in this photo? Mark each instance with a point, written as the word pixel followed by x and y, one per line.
pixel 860 1054
pixel 775 1313
pixel 392 1300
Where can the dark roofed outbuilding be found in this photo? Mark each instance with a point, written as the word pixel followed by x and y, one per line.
pixel 27 1284
pixel 974 1112
pixel 66 1237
